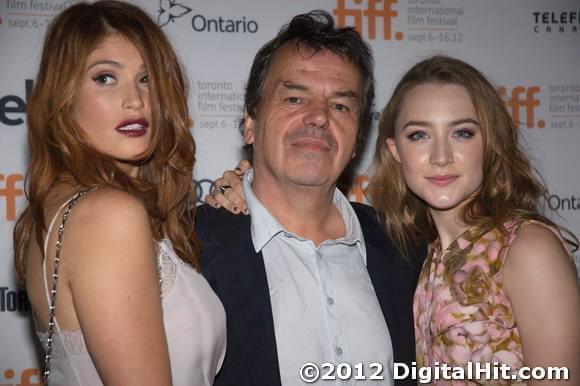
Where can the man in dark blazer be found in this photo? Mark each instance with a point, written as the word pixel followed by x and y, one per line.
pixel 307 277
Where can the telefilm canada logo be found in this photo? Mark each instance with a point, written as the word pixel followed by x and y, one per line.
pixel 556 21
pixel 171 10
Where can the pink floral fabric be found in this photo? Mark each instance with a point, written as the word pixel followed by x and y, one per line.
pixel 462 312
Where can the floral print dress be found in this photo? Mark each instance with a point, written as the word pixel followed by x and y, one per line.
pixel 462 312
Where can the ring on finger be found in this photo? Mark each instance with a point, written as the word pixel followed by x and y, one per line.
pixel 223 188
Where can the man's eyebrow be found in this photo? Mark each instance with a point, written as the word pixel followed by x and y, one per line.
pixel 290 85
pixel 346 94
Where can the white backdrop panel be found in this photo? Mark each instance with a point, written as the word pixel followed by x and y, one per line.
pixel 528 48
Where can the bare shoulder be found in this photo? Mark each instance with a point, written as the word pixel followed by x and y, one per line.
pixel 537 243
pixel 106 221
pixel 537 253
pixel 109 205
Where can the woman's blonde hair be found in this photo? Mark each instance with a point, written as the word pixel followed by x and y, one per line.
pixel 510 186
pixel 60 152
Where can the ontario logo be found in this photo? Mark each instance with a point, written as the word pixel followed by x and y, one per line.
pixel 170 10
pixel 563 203
pixel 371 14
pixel 556 21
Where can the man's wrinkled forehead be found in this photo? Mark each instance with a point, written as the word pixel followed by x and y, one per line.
pixel 293 58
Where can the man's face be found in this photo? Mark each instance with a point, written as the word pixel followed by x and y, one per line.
pixel 305 129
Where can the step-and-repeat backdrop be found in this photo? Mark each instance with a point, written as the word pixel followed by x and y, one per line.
pixel 529 48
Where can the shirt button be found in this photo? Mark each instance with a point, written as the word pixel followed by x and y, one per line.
pixel 330 301
pixel 338 351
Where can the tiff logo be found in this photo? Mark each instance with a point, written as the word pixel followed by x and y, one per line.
pixel 523 98
pixel 11 192
pixel 375 9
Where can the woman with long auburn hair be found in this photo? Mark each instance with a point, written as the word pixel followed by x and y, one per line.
pixel 104 244
pixel 498 284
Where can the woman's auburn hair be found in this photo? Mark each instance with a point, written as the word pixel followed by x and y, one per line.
pixel 510 187
pixel 61 153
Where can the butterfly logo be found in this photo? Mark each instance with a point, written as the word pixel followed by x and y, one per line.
pixel 170 10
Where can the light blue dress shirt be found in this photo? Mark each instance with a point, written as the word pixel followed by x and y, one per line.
pixel 323 302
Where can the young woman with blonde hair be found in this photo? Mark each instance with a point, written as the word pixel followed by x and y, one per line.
pixel 104 243
pixel 498 285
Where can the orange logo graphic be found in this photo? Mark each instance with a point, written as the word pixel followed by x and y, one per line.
pixel 10 192
pixel 523 98
pixel 28 377
pixel 375 9
pixel 357 191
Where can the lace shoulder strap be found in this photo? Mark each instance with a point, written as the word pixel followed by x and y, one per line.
pixel 52 308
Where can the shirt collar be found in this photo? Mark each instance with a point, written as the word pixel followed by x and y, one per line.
pixel 264 226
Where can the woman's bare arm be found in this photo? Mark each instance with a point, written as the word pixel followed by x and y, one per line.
pixel 114 283
pixel 541 282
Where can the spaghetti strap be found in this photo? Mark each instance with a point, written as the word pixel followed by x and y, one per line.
pixel 45 250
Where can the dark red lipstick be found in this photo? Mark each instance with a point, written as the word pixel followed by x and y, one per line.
pixel 133 127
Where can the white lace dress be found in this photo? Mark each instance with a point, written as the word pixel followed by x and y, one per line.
pixel 195 326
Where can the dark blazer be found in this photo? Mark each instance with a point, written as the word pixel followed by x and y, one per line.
pixel 238 276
